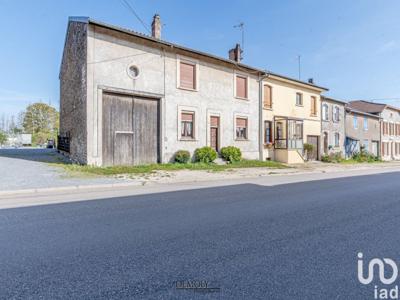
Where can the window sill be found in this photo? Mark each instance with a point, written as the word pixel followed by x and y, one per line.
pixel 300 105
pixel 187 89
pixel 313 115
pixel 241 140
pixel 267 108
pixel 188 140
pixel 240 98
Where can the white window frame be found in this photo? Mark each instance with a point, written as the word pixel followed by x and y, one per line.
pixel 325 112
pixel 241 74
pixel 365 122
pixel 355 122
pixel 241 116
pixel 192 109
pixel 190 61
pixel 336 114
pixel 301 97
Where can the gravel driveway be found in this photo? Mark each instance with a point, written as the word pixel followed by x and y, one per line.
pixel 29 168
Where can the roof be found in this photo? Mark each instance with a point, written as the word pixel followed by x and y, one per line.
pixel 368 107
pixel 333 100
pixel 360 112
pixel 183 48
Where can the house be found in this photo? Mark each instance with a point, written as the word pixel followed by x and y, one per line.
pixel 291 117
pixel 362 132
pixel 389 126
pixel 333 126
pixel 129 98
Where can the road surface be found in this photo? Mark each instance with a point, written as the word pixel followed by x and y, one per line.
pixel 290 241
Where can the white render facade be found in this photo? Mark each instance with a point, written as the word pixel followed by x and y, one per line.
pixel 111 55
pixel 390 133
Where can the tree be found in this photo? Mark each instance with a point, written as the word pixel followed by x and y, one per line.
pixel 3 138
pixel 42 121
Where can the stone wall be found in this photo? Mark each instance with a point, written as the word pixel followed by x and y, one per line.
pixel 73 91
pixel 330 127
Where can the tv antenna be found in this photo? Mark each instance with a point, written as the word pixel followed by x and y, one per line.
pixel 241 28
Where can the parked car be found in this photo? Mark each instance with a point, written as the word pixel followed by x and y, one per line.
pixel 50 144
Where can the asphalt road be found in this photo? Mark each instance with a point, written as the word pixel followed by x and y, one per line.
pixel 294 241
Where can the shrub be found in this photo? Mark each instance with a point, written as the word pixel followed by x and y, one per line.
pixel 231 154
pixel 332 157
pixel 205 155
pixel 364 156
pixel 308 147
pixel 182 156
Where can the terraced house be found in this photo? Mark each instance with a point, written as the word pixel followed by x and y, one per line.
pixel 292 116
pixel 129 98
pixel 333 132
pixel 389 126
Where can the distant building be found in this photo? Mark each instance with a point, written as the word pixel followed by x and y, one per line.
pixel 333 133
pixel 389 126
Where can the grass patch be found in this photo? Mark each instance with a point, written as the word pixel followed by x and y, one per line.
pixel 146 169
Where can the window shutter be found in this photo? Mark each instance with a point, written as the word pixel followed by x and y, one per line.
pixel 267 96
pixel 187 75
pixel 214 121
pixel 241 87
pixel 187 117
pixel 241 122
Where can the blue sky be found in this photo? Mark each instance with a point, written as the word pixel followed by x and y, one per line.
pixel 351 47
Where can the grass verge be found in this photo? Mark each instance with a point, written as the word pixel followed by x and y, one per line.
pixel 145 169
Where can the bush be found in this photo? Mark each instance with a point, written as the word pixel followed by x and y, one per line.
pixel 182 156
pixel 231 154
pixel 364 156
pixel 308 147
pixel 332 157
pixel 205 155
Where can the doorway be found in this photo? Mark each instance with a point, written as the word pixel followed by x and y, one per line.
pixel 313 140
pixel 214 133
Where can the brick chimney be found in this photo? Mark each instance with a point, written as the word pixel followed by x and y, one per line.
pixel 156 27
pixel 235 53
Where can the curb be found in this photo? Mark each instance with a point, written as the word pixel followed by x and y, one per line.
pixel 69 188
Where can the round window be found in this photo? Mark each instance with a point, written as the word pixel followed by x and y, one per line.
pixel 133 71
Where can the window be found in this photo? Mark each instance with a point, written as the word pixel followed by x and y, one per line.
pixel 299 99
pixel 336 114
pixel 187 77
pixel 355 122
pixel 241 128
pixel 325 112
pixel 280 133
pixel 295 134
pixel 268 132
pixel 187 125
pixel 365 123
pixel 267 96
pixel 337 139
pixel 241 86
pixel 313 105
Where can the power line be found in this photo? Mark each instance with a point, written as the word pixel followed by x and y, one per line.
pixel 132 10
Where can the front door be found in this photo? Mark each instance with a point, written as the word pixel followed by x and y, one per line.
pixel 325 143
pixel 313 140
pixel 214 133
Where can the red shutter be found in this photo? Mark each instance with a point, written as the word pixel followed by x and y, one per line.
pixel 241 87
pixel 214 121
pixel 187 75
pixel 241 122
pixel 187 117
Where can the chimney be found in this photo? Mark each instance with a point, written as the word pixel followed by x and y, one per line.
pixel 156 27
pixel 311 80
pixel 235 53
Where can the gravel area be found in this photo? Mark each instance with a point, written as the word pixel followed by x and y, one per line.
pixel 29 168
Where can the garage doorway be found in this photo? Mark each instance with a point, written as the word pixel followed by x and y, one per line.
pixel 131 130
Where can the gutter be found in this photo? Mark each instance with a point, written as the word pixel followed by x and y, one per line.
pixel 260 116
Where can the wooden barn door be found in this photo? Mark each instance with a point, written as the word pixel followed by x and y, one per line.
pixel 313 140
pixel 214 133
pixel 130 130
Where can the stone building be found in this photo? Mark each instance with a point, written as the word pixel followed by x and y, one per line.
pixel 362 131
pixel 128 98
pixel 389 126
pixel 333 133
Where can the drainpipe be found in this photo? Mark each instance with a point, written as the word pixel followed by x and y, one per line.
pixel 261 119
